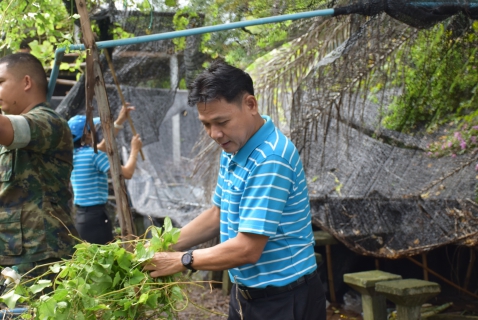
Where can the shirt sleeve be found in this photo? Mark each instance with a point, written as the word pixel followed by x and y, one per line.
pixel 21 132
pixel 216 198
pixel 48 131
pixel 101 162
pixel 265 196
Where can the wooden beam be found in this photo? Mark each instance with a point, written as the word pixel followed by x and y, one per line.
pixel 95 85
pixel 64 81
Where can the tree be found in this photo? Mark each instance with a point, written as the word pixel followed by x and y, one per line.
pixel 39 25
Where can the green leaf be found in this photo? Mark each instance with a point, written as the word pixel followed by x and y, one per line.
pixel 144 297
pixel 10 299
pixel 64 66
pixel 60 294
pixel 177 293
pixel 152 301
pixel 40 285
pixel 123 258
pixel 136 277
pixel 171 3
pixel 168 225
pixel 116 280
pixel 175 235
pixel 55 268
pixel 47 308
pixel 88 302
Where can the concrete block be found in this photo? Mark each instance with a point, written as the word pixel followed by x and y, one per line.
pixel 373 304
pixel 408 295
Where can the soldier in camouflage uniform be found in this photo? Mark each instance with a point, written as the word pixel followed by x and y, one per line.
pixel 36 160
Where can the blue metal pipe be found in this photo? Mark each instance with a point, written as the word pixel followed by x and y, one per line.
pixel 59 53
pixel 190 32
pixel 12 312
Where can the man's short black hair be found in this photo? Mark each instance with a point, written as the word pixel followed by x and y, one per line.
pixel 220 80
pixel 21 64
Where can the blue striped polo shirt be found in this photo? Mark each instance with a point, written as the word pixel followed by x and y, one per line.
pixel 262 190
pixel 89 177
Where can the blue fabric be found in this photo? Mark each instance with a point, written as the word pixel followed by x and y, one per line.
pixel 89 177
pixel 77 125
pixel 262 190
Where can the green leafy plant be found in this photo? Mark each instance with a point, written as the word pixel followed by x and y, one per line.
pixel 440 79
pixel 104 282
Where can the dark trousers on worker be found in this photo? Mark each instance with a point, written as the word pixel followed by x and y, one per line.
pixel 301 300
pixel 93 224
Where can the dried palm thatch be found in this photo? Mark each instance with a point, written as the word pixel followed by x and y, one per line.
pixel 362 176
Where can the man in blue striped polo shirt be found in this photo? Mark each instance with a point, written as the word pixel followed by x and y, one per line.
pixel 89 178
pixel 260 208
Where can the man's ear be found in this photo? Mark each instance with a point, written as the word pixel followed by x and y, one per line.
pixel 251 103
pixel 27 82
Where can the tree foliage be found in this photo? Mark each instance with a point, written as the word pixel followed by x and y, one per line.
pixel 44 24
pixel 440 77
pixel 242 46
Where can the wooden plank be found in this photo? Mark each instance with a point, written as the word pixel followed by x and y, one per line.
pixel 95 85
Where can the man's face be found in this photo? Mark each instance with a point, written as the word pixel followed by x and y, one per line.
pixel 10 92
pixel 231 125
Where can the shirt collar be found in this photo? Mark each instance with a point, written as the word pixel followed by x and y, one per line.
pixel 258 138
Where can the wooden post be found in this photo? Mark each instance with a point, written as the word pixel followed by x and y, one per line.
pixel 330 275
pixel 95 81
pixel 425 266
pixel 469 271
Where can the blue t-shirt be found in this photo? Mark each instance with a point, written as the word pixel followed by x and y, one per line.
pixel 89 177
pixel 262 190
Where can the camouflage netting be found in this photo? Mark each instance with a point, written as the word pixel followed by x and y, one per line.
pixel 374 189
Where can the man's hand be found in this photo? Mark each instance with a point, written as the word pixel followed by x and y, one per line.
pixel 165 264
pixel 124 113
pixel 136 144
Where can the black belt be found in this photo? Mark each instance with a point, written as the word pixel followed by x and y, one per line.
pixel 93 206
pixel 255 293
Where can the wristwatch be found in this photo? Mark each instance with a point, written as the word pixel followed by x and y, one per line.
pixel 187 260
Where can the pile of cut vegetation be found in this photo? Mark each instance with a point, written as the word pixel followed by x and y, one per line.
pixel 104 282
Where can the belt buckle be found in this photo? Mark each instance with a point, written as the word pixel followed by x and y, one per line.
pixel 245 294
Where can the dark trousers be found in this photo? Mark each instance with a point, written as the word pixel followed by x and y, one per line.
pixel 304 302
pixel 93 224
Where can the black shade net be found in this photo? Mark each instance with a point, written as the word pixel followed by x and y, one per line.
pixel 418 14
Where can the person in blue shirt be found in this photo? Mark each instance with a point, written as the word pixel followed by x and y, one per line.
pixel 89 178
pixel 260 208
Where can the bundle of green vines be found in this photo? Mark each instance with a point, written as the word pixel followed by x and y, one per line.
pixel 104 282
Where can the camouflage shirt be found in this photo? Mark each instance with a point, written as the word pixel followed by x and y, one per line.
pixel 34 190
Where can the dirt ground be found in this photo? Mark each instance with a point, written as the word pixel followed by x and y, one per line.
pixel 212 304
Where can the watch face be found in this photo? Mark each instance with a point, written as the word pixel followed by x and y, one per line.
pixel 186 259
